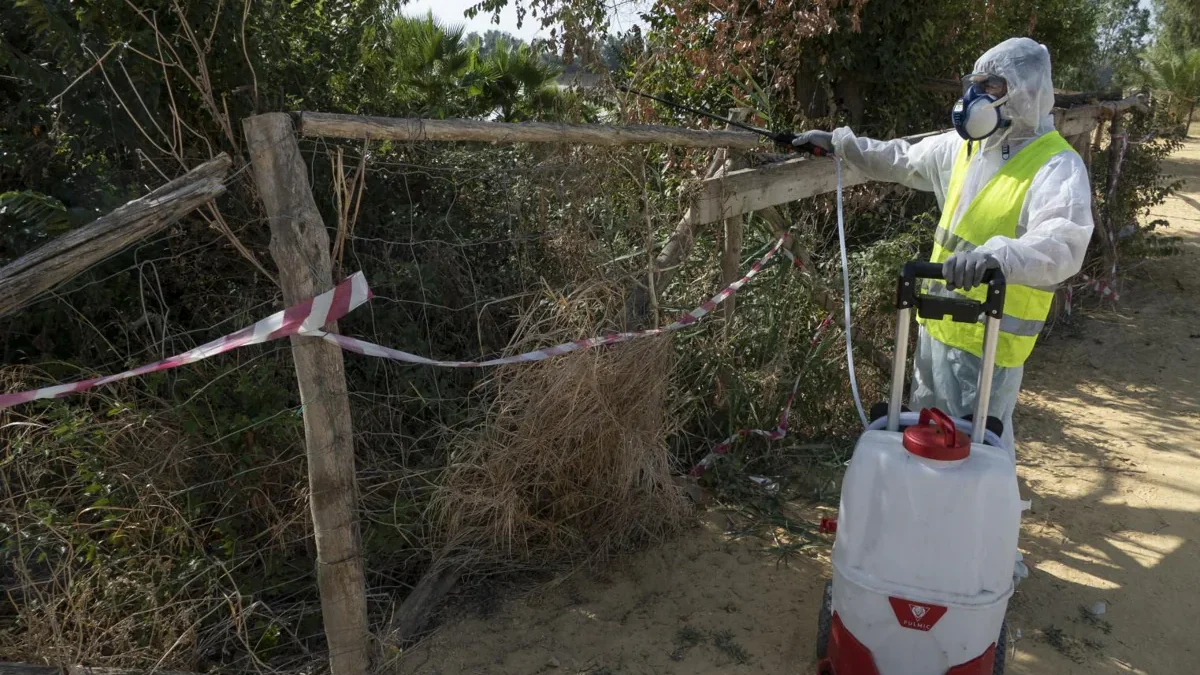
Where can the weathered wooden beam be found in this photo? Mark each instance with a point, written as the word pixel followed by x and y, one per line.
pixel 61 260
pixel 1078 126
pixel 395 129
pixel 300 246
pixel 1084 119
pixel 749 190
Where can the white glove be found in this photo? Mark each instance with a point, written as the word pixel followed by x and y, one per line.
pixel 821 139
pixel 966 270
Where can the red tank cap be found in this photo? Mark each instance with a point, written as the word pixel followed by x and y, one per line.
pixel 939 441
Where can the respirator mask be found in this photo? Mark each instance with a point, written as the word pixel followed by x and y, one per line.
pixel 977 114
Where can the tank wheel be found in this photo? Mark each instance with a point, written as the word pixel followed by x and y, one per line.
pixel 1001 649
pixel 825 621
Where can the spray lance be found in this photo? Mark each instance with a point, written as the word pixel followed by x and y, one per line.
pixel 786 139
pixel 783 139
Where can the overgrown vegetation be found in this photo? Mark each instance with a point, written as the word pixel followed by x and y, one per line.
pixel 164 521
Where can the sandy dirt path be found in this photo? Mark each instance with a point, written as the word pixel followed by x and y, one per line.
pixel 1109 451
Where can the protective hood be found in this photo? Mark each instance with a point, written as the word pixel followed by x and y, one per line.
pixel 1025 65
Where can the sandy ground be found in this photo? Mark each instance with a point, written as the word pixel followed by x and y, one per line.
pixel 1109 451
pixel 1110 424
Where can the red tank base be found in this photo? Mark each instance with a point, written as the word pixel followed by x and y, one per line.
pixel 845 655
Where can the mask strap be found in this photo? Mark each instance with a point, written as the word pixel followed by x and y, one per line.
pixel 998 102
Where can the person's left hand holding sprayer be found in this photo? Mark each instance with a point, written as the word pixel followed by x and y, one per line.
pixel 816 137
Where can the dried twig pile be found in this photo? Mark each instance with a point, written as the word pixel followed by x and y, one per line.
pixel 571 464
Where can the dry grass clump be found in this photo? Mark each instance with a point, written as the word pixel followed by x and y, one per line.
pixel 127 543
pixel 570 466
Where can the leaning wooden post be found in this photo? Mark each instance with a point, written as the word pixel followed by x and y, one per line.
pixel 731 249
pixel 62 259
pixel 300 247
pixel 1117 142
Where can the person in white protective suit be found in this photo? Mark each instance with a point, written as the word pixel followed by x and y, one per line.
pixel 1004 150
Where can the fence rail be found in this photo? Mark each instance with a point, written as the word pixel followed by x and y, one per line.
pixel 327 125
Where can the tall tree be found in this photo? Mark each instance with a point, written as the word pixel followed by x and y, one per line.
pixel 515 81
pixel 1122 33
pixel 1179 73
pixel 1178 22
pixel 427 66
pixel 865 63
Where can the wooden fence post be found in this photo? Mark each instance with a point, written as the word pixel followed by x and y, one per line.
pixel 300 247
pixel 1117 142
pixel 731 243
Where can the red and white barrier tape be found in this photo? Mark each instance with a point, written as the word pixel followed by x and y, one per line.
pixel 1091 284
pixel 370 349
pixel 775 434
pixel 307 318
pixel 1107 290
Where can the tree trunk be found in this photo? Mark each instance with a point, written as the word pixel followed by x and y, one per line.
pixel 810 94
pixel 849 91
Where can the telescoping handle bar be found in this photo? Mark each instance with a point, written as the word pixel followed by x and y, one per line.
pixel 958 308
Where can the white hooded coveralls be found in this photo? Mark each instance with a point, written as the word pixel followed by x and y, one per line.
pixel 1053 232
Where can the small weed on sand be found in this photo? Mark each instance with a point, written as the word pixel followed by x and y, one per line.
pixel 725 642
pixel 1086 617
pixel 685 638
pixel 1068 645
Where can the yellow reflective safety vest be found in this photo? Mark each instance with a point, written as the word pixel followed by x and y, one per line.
pixel 995 211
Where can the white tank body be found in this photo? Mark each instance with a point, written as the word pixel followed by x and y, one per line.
pixel 924 555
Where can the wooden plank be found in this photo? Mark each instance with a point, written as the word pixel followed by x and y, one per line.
pixel 1078 127
pixel 750 190
pixel 61 260
pixel 1084 119
pixel 395 129
pixel 300 247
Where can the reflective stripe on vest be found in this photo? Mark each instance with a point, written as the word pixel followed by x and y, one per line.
pixel 995 211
